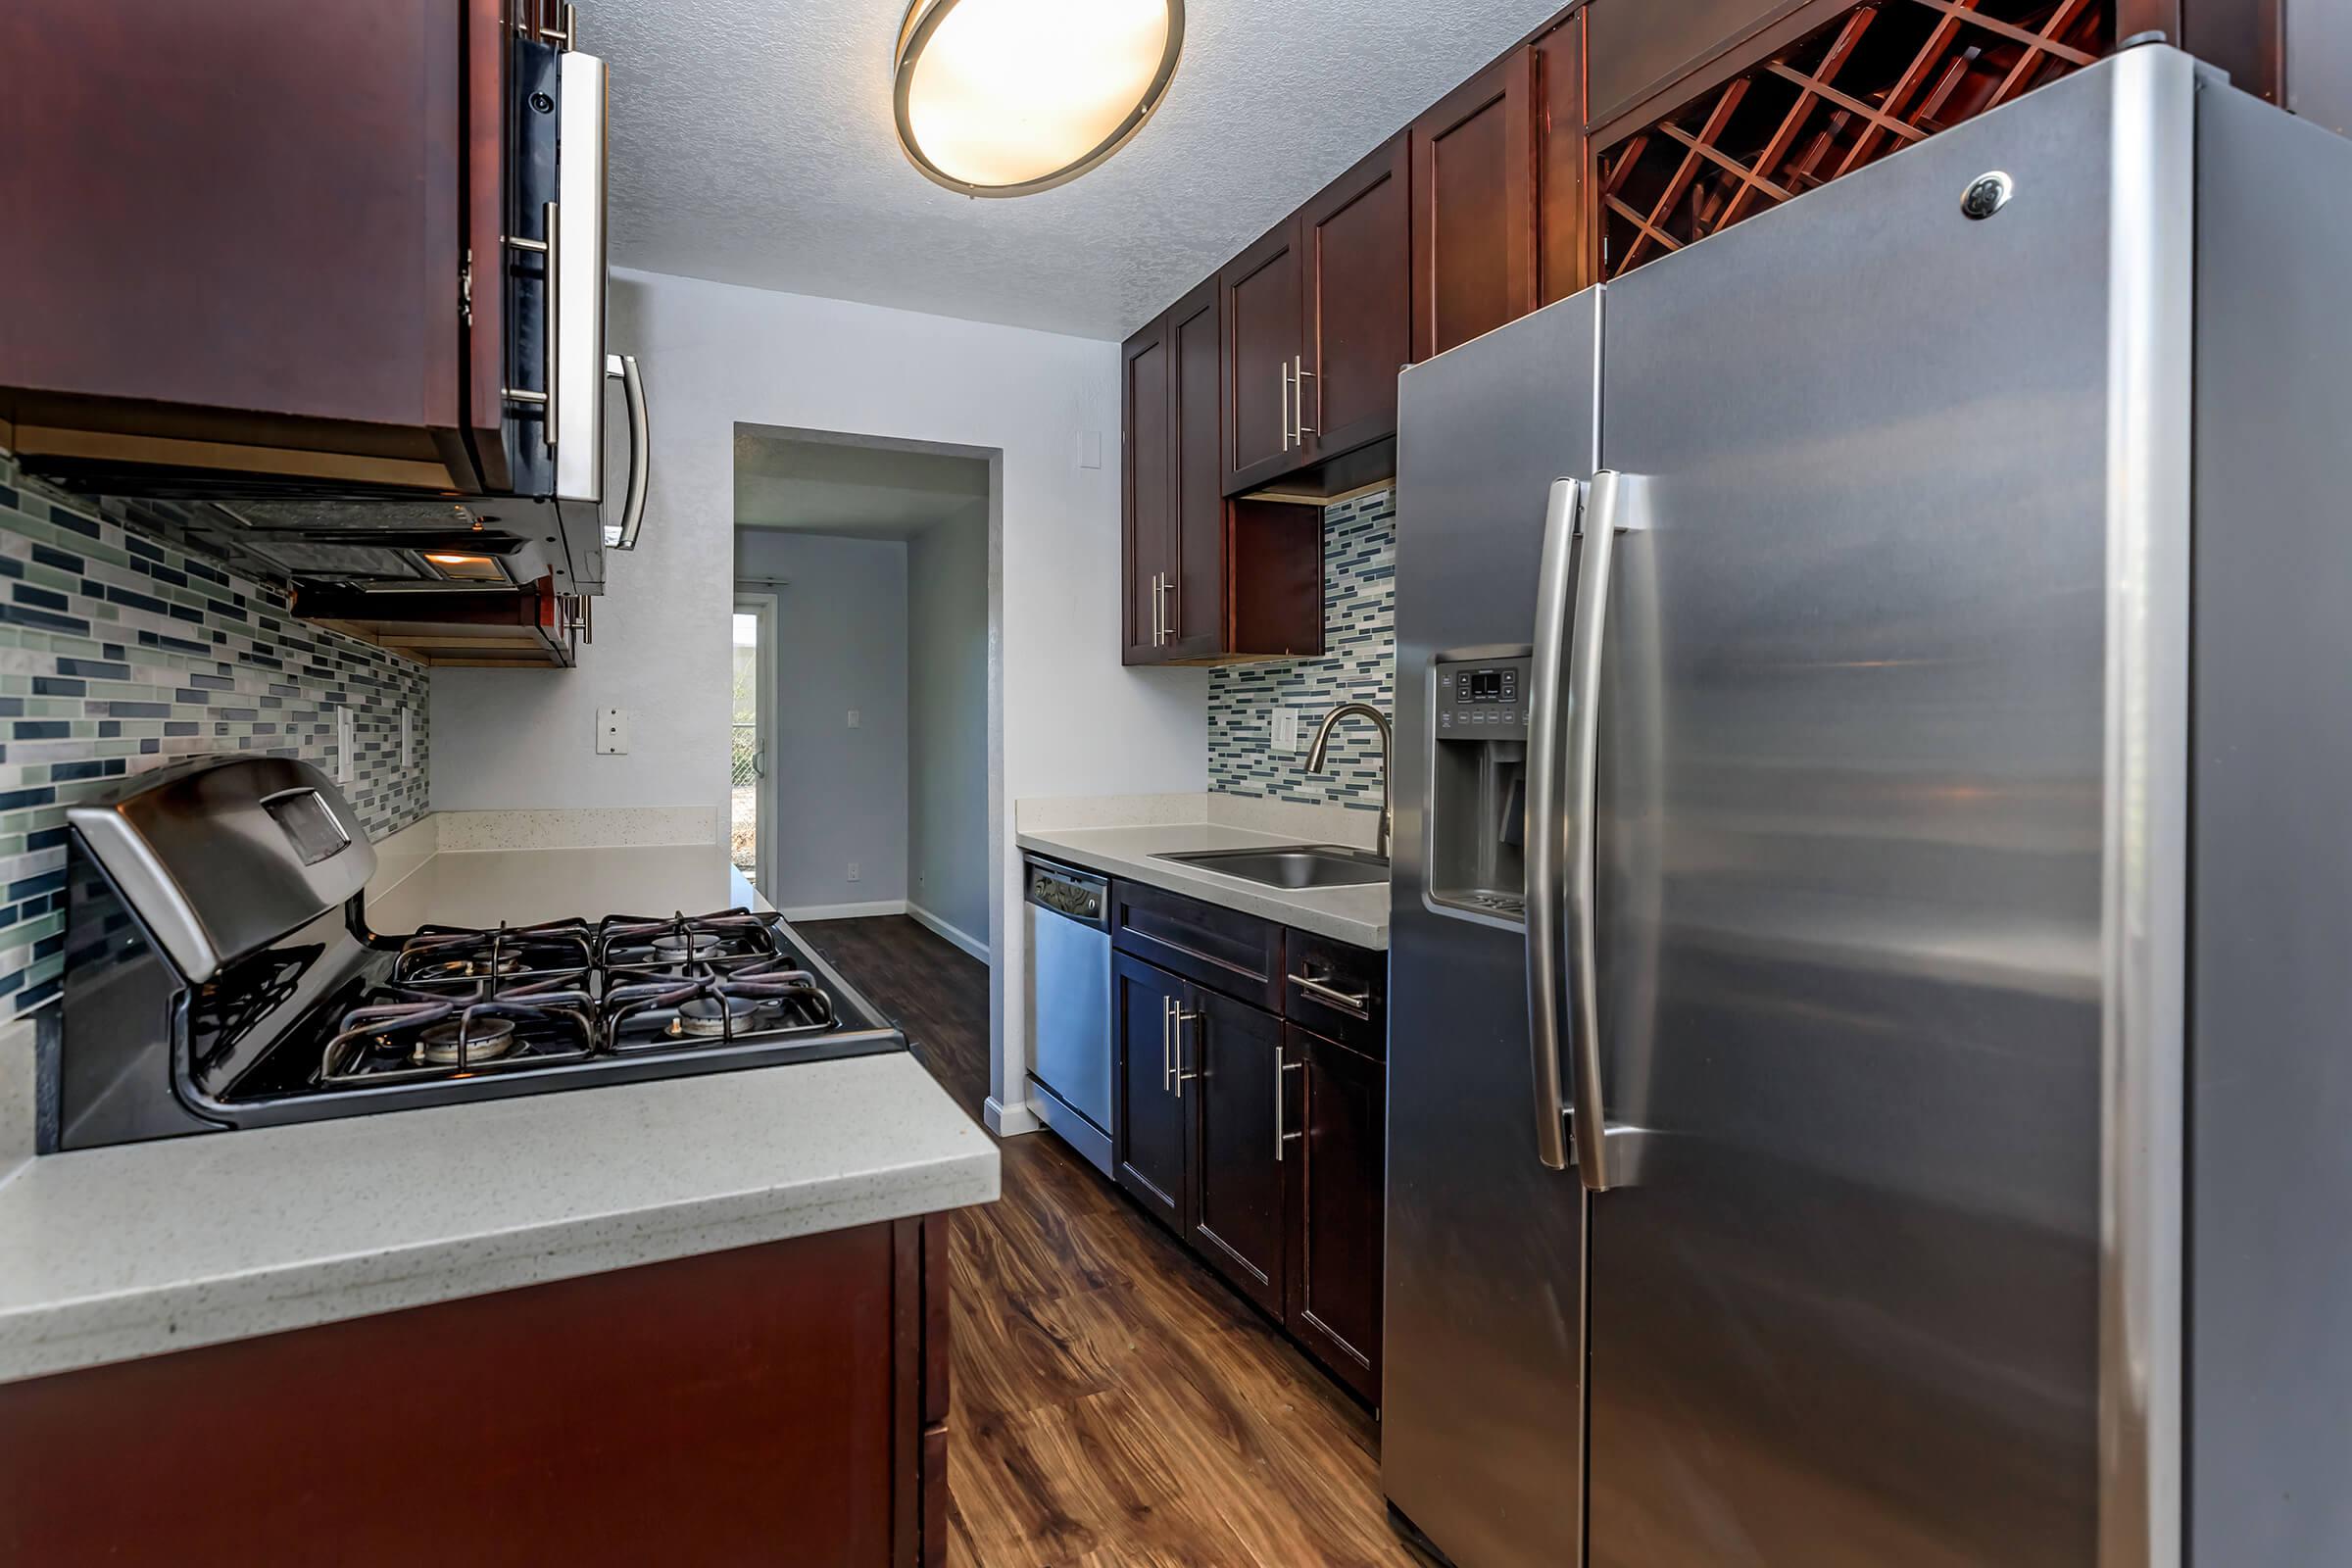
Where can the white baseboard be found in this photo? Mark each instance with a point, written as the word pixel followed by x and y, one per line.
pixel 1010 1121
pixel 845 911
pixel 940 928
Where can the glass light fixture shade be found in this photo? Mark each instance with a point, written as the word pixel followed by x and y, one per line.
pixel 1007 97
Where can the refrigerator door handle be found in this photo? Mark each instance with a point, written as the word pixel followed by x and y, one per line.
pixel 1608 512
pixel 1548 698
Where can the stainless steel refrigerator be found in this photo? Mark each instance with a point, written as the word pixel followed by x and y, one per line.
pixel 1872 948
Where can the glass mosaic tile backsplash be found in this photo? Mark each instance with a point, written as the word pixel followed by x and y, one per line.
pixel 1359 664
pixel 119 654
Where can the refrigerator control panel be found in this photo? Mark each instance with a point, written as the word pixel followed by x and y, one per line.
pixel 1484 699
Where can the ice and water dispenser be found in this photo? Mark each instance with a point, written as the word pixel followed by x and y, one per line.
pixel 1477 797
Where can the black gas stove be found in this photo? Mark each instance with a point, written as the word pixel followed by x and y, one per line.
pixel 191 1007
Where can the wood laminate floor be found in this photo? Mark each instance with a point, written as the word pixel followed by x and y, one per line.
pixel 1113 1404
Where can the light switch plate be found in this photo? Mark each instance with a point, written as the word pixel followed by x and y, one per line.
pixel 1089 450
pixel 1285 729
pixel 346 765
pixel 852 870
pixel 854 718
pixel 407 740
pixel 612 731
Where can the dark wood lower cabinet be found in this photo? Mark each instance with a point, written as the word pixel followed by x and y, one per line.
pixel 1232 1060
pixel 1261 1143
pixel 780 1403
pixel 1339 1165
pixel 1149 1137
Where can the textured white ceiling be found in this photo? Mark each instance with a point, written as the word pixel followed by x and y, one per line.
pixel 843 488
pixel 751 143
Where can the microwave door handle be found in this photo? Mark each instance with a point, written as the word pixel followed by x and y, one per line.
pixel 641 446
pixel 1608 512
pixel 1547 698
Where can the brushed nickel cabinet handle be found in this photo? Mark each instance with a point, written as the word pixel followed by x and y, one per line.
pixel 1184 1017
pixel 1282 1112
pixel 1285 407
pixel 1167 1045
pixel 1359 1004
pixel 1168 614
pixel 1300 376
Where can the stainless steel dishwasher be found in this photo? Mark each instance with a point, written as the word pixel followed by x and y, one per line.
pixel 1068 912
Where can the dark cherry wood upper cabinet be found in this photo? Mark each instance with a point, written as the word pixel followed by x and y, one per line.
pixel 1198 623
pixel 1474 217
pixel 1638 47
pixel 236 234
pixel 1259 292
pixel 1229 1060
pixel 1356 246
pixel 1207 580
pixel 1335 1109
pixel 1148 461
pixel 1563 261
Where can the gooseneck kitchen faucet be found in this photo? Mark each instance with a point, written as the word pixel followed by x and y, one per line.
pixel 1314 761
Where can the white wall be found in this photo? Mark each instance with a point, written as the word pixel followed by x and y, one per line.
pixel 840 644
pixel 1073 722
pixel 947 723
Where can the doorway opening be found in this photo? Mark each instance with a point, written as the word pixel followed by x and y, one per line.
pixel 863 782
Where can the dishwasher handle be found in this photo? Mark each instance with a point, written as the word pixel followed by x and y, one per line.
pixel 1072 894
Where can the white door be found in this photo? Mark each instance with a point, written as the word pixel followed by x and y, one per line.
pixel 750 755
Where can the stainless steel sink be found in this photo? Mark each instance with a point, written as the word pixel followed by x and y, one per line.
pixel 1305 866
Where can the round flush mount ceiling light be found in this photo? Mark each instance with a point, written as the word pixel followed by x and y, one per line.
pixel 1007 97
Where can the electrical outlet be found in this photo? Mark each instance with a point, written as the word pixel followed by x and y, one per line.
pixel 1285 729
pixel 346 767
pixel 853 725
pixel 852 870
pixel 612 731
pixel 407 740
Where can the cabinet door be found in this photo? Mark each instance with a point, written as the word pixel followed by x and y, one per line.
pixel 1474 244
pixel 1562 266
pixel 1258 293
pixel 1641 47
pixel 1199 625
pixel 1150 1144
pixel 1339 1103
pixel 1231 1071
pixel 1356 246
pixel 216 239
pixel 1147 463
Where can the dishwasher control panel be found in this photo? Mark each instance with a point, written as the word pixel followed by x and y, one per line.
pixel 1074 894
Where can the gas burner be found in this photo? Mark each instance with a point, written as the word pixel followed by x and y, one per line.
pixel 464 1040
pixel 405 1033
pixel 679 946
pixel 481 968
pixel 754 1000
pixel 683 948
pixel 715 1018
pixel 444 959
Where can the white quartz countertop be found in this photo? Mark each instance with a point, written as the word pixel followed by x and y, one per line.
pixel 482 887
pixel 110 1253
pixel 1357 915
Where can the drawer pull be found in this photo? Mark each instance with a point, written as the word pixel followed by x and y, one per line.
pixel 1359 1004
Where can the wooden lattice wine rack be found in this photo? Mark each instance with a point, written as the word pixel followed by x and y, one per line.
pixel 1864 85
